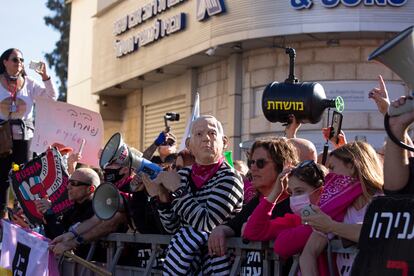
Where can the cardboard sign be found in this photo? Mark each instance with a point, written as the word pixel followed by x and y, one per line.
pixel 68 124
pixel 43 175
pixel 386 241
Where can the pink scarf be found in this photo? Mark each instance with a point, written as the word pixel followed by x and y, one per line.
pixel 200 174
pixel 339 192
pixel 124 181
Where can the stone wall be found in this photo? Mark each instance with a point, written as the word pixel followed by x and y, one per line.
pixel 315 61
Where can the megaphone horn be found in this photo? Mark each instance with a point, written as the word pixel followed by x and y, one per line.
pixel 398 55
pixel 117 152
pixel 107 200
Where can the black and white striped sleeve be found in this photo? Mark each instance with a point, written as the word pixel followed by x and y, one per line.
pixel 221 201
pixel 169 219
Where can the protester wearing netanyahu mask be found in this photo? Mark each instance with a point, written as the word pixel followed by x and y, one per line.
pixel 207 194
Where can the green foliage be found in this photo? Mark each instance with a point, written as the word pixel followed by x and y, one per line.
pixel 58 58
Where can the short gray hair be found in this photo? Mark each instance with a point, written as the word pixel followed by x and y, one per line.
pixel 218 124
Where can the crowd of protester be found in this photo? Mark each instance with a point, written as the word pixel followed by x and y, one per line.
pixel 281 194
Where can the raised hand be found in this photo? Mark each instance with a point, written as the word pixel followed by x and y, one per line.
pixel 380 96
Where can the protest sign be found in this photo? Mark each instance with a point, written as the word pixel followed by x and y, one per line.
pixel 68 124
pixel 43 175
pixel 386 240
pixel 25 252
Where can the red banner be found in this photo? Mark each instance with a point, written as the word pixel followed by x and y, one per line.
pixel 43 175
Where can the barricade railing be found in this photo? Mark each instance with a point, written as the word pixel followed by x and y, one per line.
pixel 116 242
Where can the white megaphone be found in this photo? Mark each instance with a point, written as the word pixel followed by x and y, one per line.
pixel 398 55
pixel 117 152
pixel 107 200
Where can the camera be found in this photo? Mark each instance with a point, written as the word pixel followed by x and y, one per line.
pixel 35 65
pixel 170 116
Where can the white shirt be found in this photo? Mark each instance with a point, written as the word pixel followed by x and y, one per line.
pixel 25 99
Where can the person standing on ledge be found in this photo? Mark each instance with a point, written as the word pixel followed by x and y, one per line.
pixel 18 92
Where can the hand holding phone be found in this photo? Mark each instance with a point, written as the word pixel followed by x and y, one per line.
pixel 35 65
pixel 336 125
pixel 307 211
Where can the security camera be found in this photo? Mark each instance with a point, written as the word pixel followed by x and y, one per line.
pixel 211 51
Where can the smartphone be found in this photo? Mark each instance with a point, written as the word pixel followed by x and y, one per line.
pixel 307 211
pixel 35 65
pixel 336 126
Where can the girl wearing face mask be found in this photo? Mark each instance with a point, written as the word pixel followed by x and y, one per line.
pixel 358 164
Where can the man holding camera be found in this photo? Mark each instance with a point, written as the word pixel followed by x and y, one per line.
pixel 167 148
pixel 192 202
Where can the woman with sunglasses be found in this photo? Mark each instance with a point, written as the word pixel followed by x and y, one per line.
pixel 17 95
pixel 357 165
pixel 304 182
pixel 266 159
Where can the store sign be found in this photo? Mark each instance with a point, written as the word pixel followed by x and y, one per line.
pixel 306 4
pixel 161 27
pixel 206 8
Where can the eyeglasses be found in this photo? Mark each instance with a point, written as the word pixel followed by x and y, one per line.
pixel 17 59
pixel 312 164
pixel 168 143
pixel 260 163
pixel 76 183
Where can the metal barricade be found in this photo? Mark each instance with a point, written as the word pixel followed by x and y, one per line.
pixel 117 242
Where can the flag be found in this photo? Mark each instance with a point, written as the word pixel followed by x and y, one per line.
pixel 25 252
pixel 42 176
pixel 194 115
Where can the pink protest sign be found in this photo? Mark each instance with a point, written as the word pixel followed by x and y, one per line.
pixel 69 125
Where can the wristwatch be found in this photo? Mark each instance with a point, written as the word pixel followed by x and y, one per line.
pixel 179 192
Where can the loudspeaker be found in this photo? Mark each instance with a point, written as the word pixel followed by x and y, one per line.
pixel 117 152
pixel 398 55
pixel 107 201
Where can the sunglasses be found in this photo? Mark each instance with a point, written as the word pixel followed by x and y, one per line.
pixel 311 164
pixel 17 59
pixel 168 143
pixel 76 183
pixel 260 163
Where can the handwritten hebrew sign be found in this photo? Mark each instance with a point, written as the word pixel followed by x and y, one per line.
pixel 386 240
pixel 68 124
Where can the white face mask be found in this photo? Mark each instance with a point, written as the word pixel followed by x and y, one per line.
pixel 297 203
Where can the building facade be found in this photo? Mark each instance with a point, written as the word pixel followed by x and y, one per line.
pixel 135 60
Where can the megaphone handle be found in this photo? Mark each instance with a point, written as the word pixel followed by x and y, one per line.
pixel 408 106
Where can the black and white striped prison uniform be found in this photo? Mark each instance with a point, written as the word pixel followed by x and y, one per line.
pixel 194 215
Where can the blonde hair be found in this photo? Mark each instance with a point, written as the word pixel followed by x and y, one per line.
pixel 366 163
